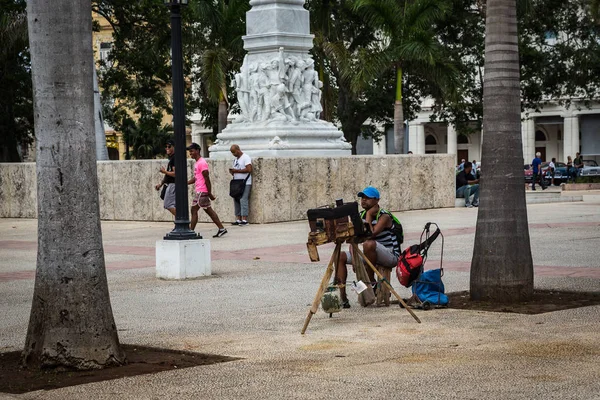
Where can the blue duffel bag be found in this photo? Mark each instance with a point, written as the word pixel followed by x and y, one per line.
pixel 430 288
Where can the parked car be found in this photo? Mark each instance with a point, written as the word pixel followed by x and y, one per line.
pixel 590 168
pixel 560 173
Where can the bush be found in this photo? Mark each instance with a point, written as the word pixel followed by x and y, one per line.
pixel 588 179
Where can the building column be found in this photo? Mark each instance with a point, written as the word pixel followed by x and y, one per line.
pixel 530 140
pixel 412 137
pixel 451 139
pixel 575 134
pixel 379 148
pixel 570 136
pixel 421 139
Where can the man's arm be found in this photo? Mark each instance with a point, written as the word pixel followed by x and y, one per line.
pixel 208 184
pixel 247 170
pixel 384 222
pixel 168 173
pixel 192 180
pixel 474 181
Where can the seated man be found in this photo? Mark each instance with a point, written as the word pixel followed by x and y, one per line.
pixel 382 249
pixel 466 186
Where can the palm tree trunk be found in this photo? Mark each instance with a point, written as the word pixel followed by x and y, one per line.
pixel 502 267
pixel 222 113
pixel 71 322
pixel 398 115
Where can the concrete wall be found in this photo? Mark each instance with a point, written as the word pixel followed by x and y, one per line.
pixel 283 188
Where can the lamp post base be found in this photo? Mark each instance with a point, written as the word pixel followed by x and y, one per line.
pixel 182 232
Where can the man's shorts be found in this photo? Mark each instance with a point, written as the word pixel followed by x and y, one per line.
pixel 170 196
pixel 201 200
pixel 385 256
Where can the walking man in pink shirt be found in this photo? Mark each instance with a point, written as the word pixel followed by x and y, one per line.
pixel 203 191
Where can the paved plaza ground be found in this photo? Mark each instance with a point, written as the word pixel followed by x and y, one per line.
pixel 255 303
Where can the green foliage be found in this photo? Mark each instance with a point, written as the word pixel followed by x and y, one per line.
pixel 559 56
pixel 136 79
pixel 145 137
pixel 588 179
pixel 358 84
pixel 16 104
pixel 137 72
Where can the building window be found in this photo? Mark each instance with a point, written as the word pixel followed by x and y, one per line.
pixel 462 139
pixel 550 38
pixel 430 139
pixel 105 49
pixel 540 136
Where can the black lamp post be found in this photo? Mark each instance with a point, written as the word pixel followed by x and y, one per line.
pixel 182 229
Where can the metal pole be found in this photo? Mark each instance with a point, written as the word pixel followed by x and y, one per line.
pixel 182 229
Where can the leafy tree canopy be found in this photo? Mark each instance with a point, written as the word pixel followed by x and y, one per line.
pixel 559 51
pixel 16 105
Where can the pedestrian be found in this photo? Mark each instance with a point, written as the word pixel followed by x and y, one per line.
pixel 242 169
pixel 536 164
pixel 203 191
pixel 569 168
pixel 168 178
pixel 578 165
pixel 551 169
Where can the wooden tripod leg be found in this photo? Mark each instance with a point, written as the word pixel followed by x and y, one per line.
pixel 324 284
pixel 355 248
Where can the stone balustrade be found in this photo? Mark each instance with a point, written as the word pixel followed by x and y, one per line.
pixel 283 188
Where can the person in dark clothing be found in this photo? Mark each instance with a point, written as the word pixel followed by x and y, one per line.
pixel 169 178
pixel 577 166
pixel 466 186
pixel 536 164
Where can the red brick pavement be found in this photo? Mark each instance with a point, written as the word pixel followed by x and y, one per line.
pixel 296 253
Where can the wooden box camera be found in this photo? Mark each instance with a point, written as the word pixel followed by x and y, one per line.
pixel 340 222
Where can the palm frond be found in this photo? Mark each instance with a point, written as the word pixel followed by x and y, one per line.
pixel 421 47
pixel 422 14
pixel 214 70
pixel 368 67
pixel 381 14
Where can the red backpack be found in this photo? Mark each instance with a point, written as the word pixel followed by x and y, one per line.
pixel 410 264
pixel 411 261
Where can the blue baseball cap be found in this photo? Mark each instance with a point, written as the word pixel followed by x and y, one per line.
pixel 370 192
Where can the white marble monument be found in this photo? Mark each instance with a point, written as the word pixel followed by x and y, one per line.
pixel 278 89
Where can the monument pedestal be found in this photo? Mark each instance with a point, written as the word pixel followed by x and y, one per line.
pixel 182 259
pixel 282 139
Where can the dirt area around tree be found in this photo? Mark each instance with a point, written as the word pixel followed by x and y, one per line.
pixel 543 301
pixel 141 360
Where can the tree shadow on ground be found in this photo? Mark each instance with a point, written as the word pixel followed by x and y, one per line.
pixel 543 301
pixel 140 360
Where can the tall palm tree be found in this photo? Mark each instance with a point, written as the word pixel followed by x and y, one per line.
pixel 502 267
pixel 71 322
pixel 408 26
pixel 219 37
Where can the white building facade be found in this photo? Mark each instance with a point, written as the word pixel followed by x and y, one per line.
pixel 555 132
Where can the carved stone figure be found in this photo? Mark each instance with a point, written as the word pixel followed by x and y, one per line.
pixel 242 86
pixel 278 89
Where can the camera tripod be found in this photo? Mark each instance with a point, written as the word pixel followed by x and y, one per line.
pixel 357 258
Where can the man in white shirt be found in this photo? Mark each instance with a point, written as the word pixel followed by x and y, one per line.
pixel 242 169
pixel 551 168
